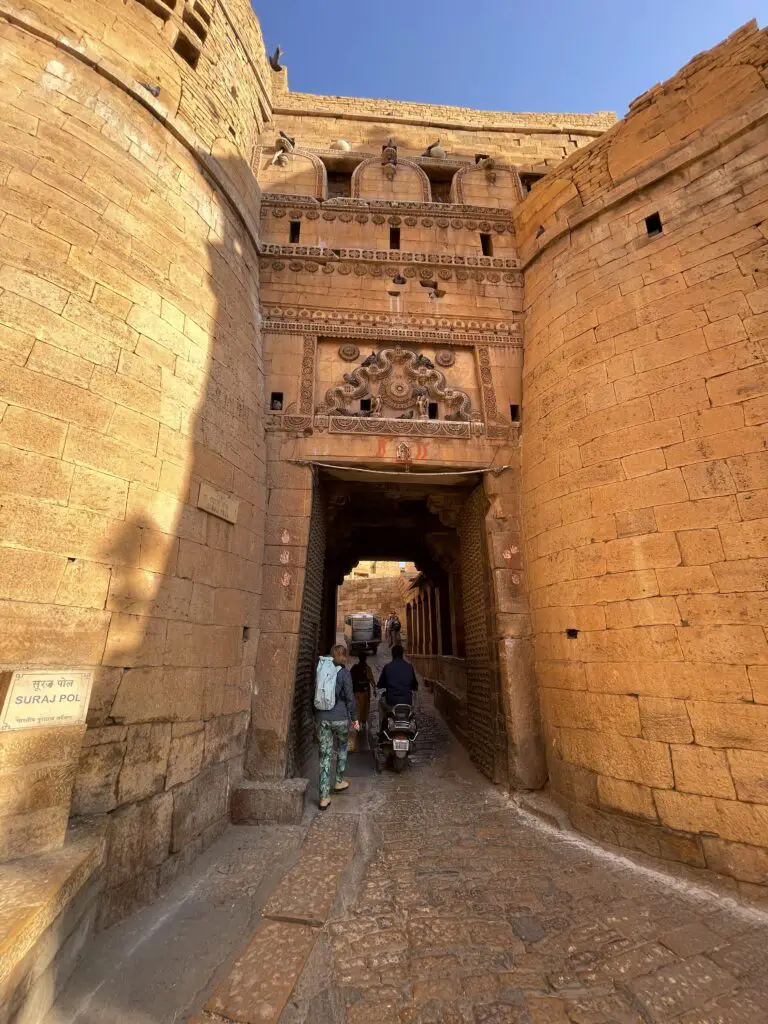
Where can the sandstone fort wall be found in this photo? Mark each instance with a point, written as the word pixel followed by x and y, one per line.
pixel 131 379
pixel 644 467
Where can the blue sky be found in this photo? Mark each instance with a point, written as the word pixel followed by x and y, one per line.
pixel 547 55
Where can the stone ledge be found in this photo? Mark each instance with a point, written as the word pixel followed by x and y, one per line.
pixel 269 802
pixel 43 900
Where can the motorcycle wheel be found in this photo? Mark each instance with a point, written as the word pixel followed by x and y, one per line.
pixel 398 763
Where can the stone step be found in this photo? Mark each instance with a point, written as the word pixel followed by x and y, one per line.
pixel 269 801
pixel 265 976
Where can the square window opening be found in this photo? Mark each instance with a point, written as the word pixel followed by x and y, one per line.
pixel 294 232
pixel 191 19
pixel 160 8
pixel 187 50
pixel 486 244
pixel 653 224
pixel 394 238
pixel 339 184
pixel 365 405
pixel 201 11
pixel 276 401
pixel 514 413
pixel 433 410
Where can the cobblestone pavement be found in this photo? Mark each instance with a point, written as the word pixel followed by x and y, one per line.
pixel 470 914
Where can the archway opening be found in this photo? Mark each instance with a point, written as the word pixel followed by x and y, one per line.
pixel 434 525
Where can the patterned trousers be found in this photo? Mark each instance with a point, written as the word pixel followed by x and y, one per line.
pixel 325 734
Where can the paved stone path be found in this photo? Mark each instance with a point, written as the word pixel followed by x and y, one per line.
pixel 469 914
pixel 423 898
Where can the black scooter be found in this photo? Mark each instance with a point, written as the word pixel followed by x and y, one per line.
pixel 397 734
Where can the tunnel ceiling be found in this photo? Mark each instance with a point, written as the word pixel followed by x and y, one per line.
pixel 393 521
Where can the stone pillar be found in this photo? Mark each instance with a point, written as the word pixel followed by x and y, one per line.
pixel 437 647
pixel 286 536
pixel 514 640
pixel 427 620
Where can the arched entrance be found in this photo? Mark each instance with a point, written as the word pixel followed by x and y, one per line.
pixel 437 521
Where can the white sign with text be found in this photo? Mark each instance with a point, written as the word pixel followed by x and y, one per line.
pixel 46 698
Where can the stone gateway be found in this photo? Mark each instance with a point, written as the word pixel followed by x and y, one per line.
pixel 239 354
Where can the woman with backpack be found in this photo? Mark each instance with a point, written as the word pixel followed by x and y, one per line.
pixel 335 714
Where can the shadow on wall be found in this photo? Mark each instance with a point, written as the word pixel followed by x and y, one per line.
pixel 170 709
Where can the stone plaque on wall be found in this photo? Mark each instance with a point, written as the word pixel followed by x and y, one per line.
pixel 218 503
pixel 44 699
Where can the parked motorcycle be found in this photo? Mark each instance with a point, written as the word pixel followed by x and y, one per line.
pixel 397 735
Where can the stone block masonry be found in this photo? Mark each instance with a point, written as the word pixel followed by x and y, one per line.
pixel 130 383
pixel 644 466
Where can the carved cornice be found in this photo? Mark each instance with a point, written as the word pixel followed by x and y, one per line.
pixel 309 259
pixel 390 326
pixel 293 424
pixel 457 215
pixel 402 428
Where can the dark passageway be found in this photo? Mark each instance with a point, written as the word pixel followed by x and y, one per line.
pixel 436 521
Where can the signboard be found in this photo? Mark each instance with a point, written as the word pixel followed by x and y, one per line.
pixel 37 700
pixel 218 503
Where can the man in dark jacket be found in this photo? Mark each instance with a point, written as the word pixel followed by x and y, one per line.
pixel 398 680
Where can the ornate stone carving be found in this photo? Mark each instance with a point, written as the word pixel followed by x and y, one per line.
pixel 491 168
pixel 444 357
pixel 486 380
pixel 401 428
pixel 307 386
pixel 462 215
pixel 349 353
pixel 388 327
pixel 390 169
pixel 403 380
pixel 396 256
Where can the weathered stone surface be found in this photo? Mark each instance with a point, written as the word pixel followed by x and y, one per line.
pixel 138 838
pixel 225 737
pixel 185 756
pixel 269 802
pixel 263 978
pixel 96 783
pixel 199 804
pixel 145 763
pixel 308 890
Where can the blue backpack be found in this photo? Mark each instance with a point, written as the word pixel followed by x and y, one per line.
pixel 325 683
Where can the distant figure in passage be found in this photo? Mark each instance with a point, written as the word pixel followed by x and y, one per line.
pixel 335 723
pixel 393 630
pixel 363 682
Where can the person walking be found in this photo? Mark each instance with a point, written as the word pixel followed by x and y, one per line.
pixel 394 630
pixel 363 682
pixel 335 724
